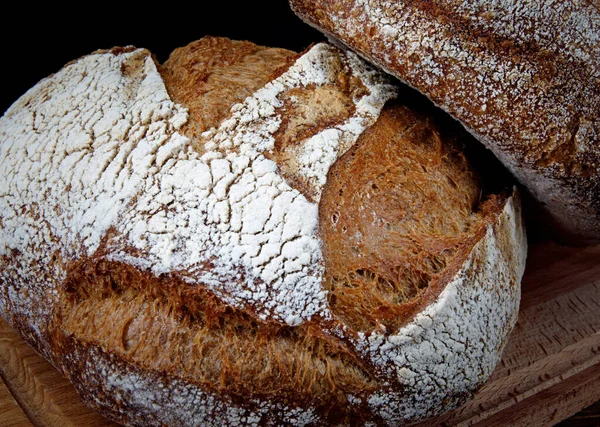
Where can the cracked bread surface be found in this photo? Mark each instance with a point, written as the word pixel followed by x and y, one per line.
pixel 521 76
pixel 188 281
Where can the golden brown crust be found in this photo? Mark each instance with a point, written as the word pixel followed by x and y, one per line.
pixel 386 231
pixel 387 237
pixel 212 74
pixel 148 341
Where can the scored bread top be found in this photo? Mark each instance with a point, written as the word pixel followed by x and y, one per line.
pixel 136 183
pixel 222 256
pixel 233 223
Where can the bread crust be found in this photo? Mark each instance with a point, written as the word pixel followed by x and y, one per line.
pixel 452 342
pixel 522 78
pixel 126 253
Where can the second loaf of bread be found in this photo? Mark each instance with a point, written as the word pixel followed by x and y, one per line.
pixel 523 77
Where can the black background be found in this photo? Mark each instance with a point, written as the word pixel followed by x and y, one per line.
pixel 38 40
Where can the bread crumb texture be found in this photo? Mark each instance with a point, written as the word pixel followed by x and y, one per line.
pixel 191 255
pixel 523 77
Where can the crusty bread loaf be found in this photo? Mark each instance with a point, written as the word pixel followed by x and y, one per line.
pixel 249 236
pixel 523 77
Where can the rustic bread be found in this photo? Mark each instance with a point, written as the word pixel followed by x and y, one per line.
pixel 523 78
pixel 248 236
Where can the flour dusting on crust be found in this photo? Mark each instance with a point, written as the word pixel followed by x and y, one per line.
pixel 160 400
pixel 96 147
pixel 451 348
pixel 74 151
pixel 231 208
pixel 93 163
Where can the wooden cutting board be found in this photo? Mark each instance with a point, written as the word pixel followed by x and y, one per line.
pixel 549 371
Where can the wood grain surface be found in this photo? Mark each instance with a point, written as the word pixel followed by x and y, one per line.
pixel 11 414
pixel 45 396
pixel 550 369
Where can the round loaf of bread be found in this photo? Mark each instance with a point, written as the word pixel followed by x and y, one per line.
pixel 249 236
